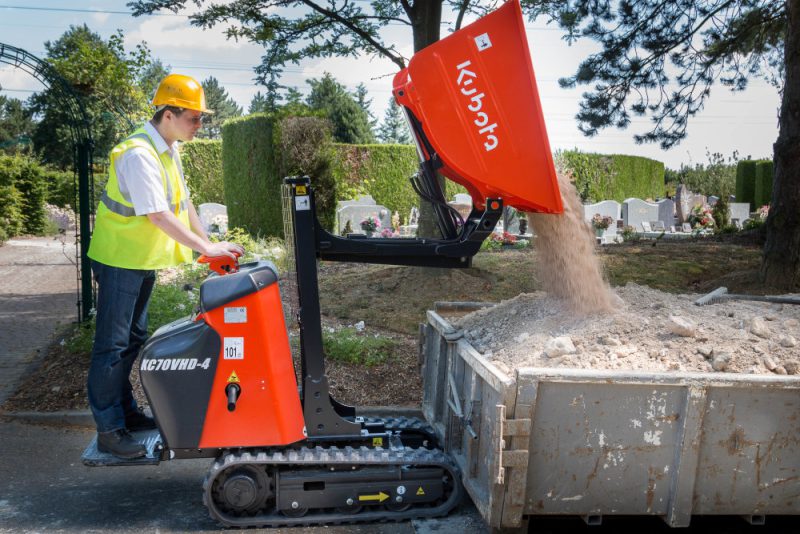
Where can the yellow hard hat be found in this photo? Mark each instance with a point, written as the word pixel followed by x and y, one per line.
pixel 181 91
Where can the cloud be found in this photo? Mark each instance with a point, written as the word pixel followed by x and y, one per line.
pixel 14 78
pixel 165 35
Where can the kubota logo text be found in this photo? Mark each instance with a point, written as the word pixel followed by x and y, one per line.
pixel 466 78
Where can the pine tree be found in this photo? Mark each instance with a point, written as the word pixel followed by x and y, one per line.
pixel 258 104
pixel 350 122
pixel 223 106
pixel 366 104
pixel 394 128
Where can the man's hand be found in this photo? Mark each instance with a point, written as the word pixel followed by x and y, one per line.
pixel 223 248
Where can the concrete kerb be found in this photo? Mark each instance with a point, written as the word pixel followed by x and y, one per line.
pixel 84 418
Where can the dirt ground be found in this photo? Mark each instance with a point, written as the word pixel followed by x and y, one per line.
pixel 392 300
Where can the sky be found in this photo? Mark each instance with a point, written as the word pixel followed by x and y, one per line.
pixel 745 122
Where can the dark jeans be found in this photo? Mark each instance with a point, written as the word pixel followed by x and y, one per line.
pixel 122 298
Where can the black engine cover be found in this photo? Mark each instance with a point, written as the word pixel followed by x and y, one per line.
pixel 178 366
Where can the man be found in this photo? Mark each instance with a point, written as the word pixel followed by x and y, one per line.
pixel 145 221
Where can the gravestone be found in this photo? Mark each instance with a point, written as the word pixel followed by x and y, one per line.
pixel 666 211
pixel 606 208
pixel 739 210
pixel 213 217
pixel 685 201
pixel 636 211
pixel 712 200
pixel 462 204
pixel 356 211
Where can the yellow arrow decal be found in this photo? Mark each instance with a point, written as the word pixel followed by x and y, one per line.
pixel 380 497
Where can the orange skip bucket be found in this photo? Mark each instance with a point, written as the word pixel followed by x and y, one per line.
pixel 475 94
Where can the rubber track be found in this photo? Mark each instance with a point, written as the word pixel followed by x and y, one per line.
pixel 321 457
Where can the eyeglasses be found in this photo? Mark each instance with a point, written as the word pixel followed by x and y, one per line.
pixel 195 120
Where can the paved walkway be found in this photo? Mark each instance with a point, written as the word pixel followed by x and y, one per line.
pixel 38 291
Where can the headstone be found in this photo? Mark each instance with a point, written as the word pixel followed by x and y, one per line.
pixel 712 200
pixel 686 227
pixel 685 200
pixel 364 200
pixel 213 217
pixel 739 210
pixel 413 216
pixel 666 211
pixel 606 208
pixel 354 213
pixel 658 226
pixel 462 204
pixel 646 226
pixel 636 211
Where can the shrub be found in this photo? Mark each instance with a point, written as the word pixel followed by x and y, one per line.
pixel 763 183
pixel 383 172
pixel 61 186
pixel 721 214
pixel 22 195
pixel 746 182
pixel 612 176
pixel 202 166
pixel 251 184
pixel 304 148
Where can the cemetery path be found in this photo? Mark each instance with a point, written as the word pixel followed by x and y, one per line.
pixel 38 292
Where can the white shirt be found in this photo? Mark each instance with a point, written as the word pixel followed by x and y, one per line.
pixel 139 175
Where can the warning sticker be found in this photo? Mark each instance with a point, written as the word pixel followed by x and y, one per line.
pixel 236 315
pixel 301 190
pixel 234 378
pixel 420 491
pixel 302 203
pixel 483 42
pixel 234 348
pixel 377 442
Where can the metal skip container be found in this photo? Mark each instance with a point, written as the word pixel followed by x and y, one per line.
pixel 550 441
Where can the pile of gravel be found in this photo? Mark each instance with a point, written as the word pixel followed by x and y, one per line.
pixel 649 330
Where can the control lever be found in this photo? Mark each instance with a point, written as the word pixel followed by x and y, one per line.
pixel 232 391
pixel 221 264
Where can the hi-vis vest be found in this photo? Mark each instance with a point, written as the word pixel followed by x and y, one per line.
pixel 123 239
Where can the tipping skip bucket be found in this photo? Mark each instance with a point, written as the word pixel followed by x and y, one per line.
pixel 475 95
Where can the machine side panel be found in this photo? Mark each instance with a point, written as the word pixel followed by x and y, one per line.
pixel 255 355
pixel 177 371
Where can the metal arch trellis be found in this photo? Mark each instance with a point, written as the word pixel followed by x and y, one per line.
pixel 81 132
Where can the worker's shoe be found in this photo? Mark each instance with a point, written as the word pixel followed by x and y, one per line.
pixel 121 444
pixel 139 421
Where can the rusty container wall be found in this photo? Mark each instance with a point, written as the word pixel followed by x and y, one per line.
pixel 593 443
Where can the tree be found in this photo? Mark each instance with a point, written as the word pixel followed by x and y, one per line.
pixel 661 59
pixel 291 30
pixel 105 76
pixel 394 128
pixel 365 103
pixel 350 121
pixel 16 124
pixel 258 104
pixel 151 76
pixel 223 106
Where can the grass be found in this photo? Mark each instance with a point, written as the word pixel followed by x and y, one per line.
pixel 350 346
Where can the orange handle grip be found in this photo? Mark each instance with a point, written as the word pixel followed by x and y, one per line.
pixel 221 264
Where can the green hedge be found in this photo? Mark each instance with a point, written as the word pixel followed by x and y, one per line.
pixel 613 176
pixel 763 183
pixel 251 184
pixel 746 182
pixel 22 195
pixel 202 166
pixel 383 172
